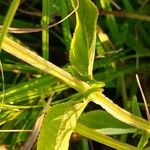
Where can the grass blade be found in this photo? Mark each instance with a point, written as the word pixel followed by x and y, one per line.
pixel 45 30
pixel 65 24
pixel 9 17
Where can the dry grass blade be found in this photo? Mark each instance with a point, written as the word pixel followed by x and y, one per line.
pixel 115 4
pixel 32 138
pixel 3 81
pixel 125 14
pixel 32 30
pixel 144 99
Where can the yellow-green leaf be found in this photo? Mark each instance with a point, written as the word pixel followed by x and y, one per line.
pixel 58 125
pixel 82 48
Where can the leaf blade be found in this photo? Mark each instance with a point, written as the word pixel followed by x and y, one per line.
pixel 57 126
pixel 82 48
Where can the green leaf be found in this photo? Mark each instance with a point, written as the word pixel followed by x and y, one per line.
pixel 101 138
pixel 58 125
pixel 135 107
pixel 136 110
pixel 143 140
pixel 110 21
pixel 30 90
pixel 82 48
pixel 147 148
pixel 105 123
pixel 65 24
pixel 101 119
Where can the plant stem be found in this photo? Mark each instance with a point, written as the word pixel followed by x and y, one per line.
pixel 101 138
pixel 32 58
pixel 45 30
pixel 125 14
pixel 8 19
pixel 120 113
pixel 35 60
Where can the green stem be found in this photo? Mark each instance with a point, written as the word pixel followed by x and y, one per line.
pixel 65 24
pixel 8 19
pixel 120 113
pixel 101 138
pixel 45 31
pixel 32 58
pixel 35 60
pixel 17 107
pixel 123 91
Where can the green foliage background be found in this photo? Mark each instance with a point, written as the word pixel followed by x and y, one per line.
pixel 113 51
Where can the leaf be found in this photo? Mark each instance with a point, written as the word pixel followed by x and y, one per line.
pixel 111 22
pixel 54 9
pixel 30 90
pixel 82 48
pixel 101 119
pixel 135 107
pixel 58 125
pixel 65 24
pixel 101 138
pixel 32 138
pixel 147 148
pixel 105 123
pixel 144 139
